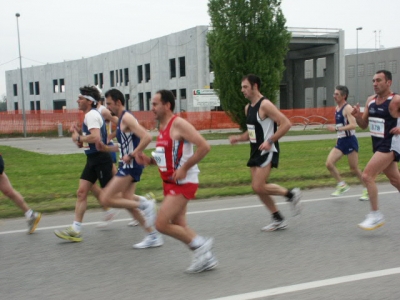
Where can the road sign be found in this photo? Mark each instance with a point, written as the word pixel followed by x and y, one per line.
pixel 205 97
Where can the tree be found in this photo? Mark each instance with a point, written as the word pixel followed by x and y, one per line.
pixel 247 36
pixel 3 103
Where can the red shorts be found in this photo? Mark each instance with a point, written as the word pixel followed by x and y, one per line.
pixel 188 190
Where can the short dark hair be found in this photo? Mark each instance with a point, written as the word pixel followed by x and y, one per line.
pixel 388 74
pixel 167 97
pixel 115 95
pixel 92 91
pixel 253 79
pixel 344 91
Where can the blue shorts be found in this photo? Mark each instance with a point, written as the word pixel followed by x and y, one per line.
pixel 135 173
pixel 347 144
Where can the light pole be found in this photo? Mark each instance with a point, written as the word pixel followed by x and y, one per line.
pixel 356 90
pixel 22 82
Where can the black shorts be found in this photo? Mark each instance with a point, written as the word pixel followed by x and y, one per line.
pixel 98 167
pixel 1 165
pixel 259 160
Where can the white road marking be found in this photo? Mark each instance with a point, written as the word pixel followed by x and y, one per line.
pixel 311 285
pixel 194 212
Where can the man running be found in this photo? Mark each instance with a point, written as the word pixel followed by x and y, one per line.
pixel 381 114
pixel 262 120
pixel 119 192
pixel 347 143
pixel 177 164
pixel 98 164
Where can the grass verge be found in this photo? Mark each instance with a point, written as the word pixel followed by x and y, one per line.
pixel 49 182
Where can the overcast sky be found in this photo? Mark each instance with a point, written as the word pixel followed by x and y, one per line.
pixel 56 30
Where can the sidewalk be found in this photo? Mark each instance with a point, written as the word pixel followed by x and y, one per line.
pixel 64 145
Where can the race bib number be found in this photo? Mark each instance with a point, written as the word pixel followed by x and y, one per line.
pixel 377 127
pixel 252 133
pixel 159 157
pixel 340 133
pixel 85 144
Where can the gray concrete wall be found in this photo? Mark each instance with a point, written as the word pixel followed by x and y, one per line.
pixel 368 64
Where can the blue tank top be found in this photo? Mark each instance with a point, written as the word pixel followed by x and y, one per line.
pixel 128 142
pixel 380 124
pixel 103 134
pixel 342 120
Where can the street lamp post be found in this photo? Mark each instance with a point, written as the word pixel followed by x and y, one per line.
pixel 22 82
pixel 356 90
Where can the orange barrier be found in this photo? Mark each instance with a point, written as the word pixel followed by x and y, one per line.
pixel 43 121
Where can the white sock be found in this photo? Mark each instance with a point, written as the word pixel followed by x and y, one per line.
pixel 196 242
pixel 341 183
pixel 76 226
pixel 143 202
pixel 29 214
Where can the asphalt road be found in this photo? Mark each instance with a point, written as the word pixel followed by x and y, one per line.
pixel 322 255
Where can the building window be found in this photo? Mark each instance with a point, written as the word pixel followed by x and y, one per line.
pixel 148 100
pixel 182 66
pixel 31 88
pixel 126 76
pixel 120 77
pixel 62 85
pixel 96 79
pixel 141 104
pixel 116 77
pixel 55 86
pixel 140 73
pixel 15 88
pixel 172 68
pixel 360 70
pixel 38 105
pixel 308 69
pixel 59 104
pixel 111 78
pixel 370 69
pixel 393 66
pixel 351 72
pixel 182 93
pixel 174 92
pixel 321 67
pixel 147 71
pixel 37 88
pixel 101 80
pixel 381 66
pixel 15 105
pixel 127 98
pixel 32 105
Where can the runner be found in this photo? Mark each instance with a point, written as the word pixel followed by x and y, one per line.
pixel 385 130
pixel 133 139
pixel 347 143
pixel 177 164
pixel 262 120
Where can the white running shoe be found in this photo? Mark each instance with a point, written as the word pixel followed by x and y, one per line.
pixel 295 201
pixel 372 221
pixel 275 225
pixel 108 217
pixel 150 241
pixel 203 258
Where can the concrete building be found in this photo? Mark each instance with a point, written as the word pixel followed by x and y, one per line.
pixel 179 62
pixel 360 83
